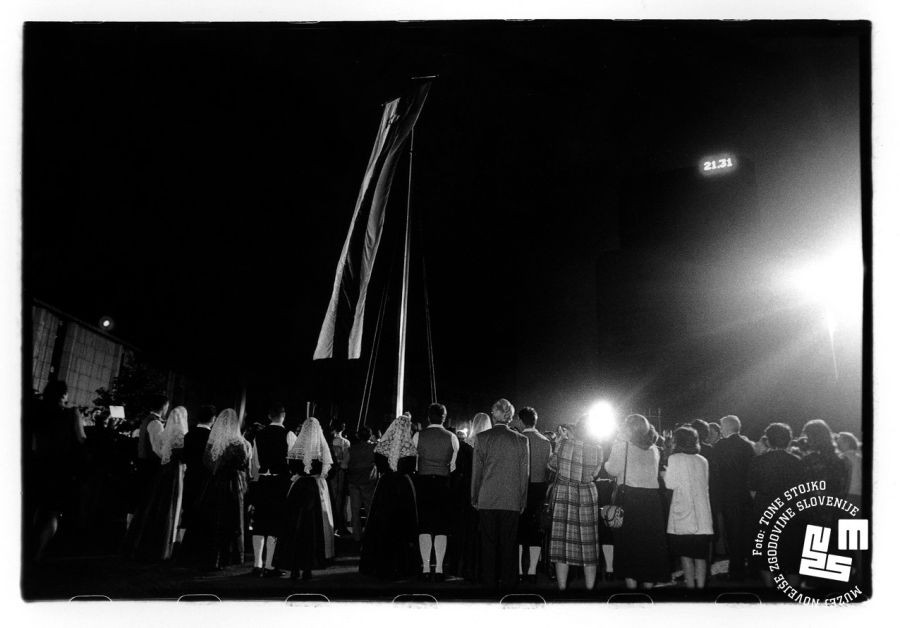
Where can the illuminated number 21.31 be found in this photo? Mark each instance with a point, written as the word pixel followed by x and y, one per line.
pixel 718 164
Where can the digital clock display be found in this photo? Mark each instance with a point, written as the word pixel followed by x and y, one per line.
pixel 718 165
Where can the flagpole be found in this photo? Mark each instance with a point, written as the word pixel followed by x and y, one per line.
pixel 401 362
pixel 242 408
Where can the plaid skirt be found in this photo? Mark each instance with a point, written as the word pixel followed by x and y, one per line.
pixel 573 535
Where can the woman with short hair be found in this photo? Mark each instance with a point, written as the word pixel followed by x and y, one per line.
pixel 573 534
pixel 690 516
pixel 640 544
pixel 769 476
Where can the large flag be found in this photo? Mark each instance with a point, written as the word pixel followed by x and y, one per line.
pixel 343 325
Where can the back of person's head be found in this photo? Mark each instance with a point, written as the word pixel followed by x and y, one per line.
pixel 205 414
pixel 156 402
pixel 715 430
pixel 276 411
pixel 702 428
pixel 819 436
pixel 437 414
pixel 364 434
pixel 730 425
pixel 779 435
pixel 55 391
pixel 846 441
pixel 337 427
pixel 639 432
pixel 480 423
pixel 686 441
pixel 506 410
pixel 528 416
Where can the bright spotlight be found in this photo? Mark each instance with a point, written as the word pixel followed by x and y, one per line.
pixel 602 420
pixel 107 323
pixel 834 283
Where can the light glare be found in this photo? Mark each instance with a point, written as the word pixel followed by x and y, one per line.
pixel 834 283
pixel 602 420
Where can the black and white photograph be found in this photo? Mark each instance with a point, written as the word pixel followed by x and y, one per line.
pixel 464 311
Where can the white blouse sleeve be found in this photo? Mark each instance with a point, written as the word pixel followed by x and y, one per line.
pixel 616 462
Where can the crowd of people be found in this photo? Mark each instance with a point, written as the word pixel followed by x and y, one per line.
pixel 491 500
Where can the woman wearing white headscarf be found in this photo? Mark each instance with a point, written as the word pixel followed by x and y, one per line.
pixel 462 548
pixel 151 535
pixel 217 538
pixel 306 541
pixel 480 423
pixel 390 543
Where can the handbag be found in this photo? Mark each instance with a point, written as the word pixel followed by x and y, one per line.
pixel 613 515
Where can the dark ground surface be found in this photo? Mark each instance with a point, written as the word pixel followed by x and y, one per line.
pixel 67 574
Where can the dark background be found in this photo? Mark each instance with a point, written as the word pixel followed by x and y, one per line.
pixel 195 182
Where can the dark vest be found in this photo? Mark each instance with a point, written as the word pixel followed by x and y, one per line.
pixel 435 449
pixel 145 450
pixel 271 445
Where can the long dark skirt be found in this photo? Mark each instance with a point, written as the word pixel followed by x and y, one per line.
pixel 641 552
pixel 216 533
pixel 390 541
pixel 604 498
pixel 300 544
pixel 142 481
pixel 152 531
pixel 195 482
pixel 690 545
pixel 468 563
pixel 463 542
pixel 530 533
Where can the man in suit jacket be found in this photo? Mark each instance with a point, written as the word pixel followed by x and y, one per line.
pixel 731 463
pixel 500 492
pixel 530 534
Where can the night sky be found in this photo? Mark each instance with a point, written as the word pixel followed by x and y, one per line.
pixel 195 182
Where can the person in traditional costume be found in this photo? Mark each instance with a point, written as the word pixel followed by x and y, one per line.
pixel 390 541
pixel 147 464
pixel 462 551
pixel 270 481
pixel 436 449
pixel 153 531
pixel 196 475
pixel 217 533
pixel 306 541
